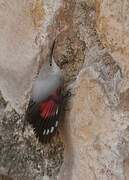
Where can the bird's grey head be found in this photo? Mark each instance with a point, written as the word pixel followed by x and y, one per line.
pixel 50 77
pixel 42 89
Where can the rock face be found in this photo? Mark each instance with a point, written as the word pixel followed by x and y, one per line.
pixel 113 28
pixel 20 30
pixel 97 127
pixel 93 138
pixel 17 54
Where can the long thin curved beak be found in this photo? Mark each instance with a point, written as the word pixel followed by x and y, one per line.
pixel 51 51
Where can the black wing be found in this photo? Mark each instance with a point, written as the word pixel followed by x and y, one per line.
pixel 44 117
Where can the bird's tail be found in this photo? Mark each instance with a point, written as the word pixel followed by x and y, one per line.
pixel 51 51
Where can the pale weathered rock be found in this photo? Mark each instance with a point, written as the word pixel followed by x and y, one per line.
pixel 23 28
pixel 17 52
pixel 24 42
pixel 95 126
pixel 96 130
pixel 113 27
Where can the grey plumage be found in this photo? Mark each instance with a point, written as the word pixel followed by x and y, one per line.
pixel 50 77
pixel 45 104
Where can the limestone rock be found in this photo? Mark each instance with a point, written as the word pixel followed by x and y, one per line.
pixel 17 54
pixel 96 129
pixel 23 28
pixel 93 138
pixel 24 42
pixel 113 27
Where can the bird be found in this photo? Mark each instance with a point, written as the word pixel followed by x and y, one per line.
pixel 46 102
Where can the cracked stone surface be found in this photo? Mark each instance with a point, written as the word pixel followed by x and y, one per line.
pixel 93 138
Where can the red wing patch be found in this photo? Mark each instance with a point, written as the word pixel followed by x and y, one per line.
pixel 48 109
pixel 50 112
pixel 44 117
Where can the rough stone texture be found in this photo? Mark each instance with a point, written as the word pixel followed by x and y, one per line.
pixel 98 131
pixel 93 138
pixel 21 156
pixel 17 52
pixel 113 27
pixel 20 40
pixel 97 126
pixel 23 33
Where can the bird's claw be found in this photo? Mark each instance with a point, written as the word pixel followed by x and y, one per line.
pixel 68 94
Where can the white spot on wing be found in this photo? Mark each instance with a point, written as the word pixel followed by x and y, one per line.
pixel 44 132
pixel 56 124
pixel 52 129
pixel 57 111
pixel 47 132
